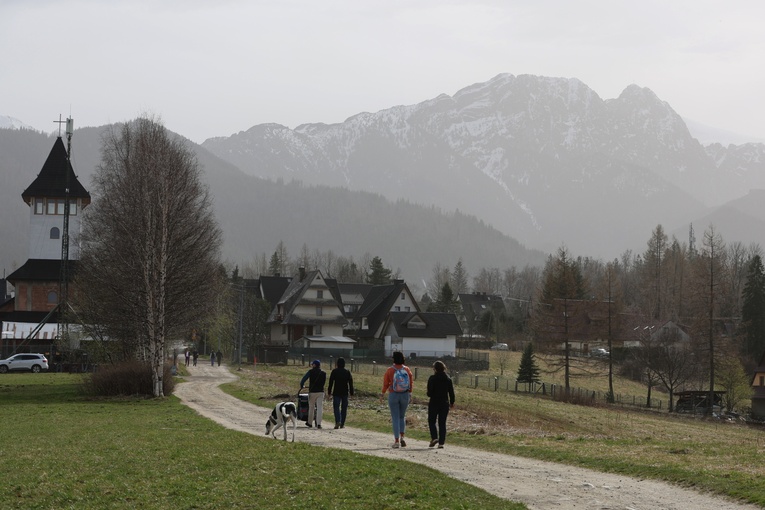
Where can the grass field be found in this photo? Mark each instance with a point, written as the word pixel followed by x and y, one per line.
pixel 711 455
pixel 62 450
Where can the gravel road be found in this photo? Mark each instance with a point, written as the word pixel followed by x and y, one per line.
pixel 540 485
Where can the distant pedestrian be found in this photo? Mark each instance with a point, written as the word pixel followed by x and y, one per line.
pixel 218 356
pixel 397 381
pixel 195 355
pixel 340 386
pixel 212 359
pixel 316 378
pixel 187 355
pixel 441 393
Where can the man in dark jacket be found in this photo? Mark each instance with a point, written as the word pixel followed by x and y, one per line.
pixel 316 378
pixel 441 393
pixel 341 381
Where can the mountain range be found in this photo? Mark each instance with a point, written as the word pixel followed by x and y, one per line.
pixel 499 174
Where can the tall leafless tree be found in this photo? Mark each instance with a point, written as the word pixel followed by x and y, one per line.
pixel 151 245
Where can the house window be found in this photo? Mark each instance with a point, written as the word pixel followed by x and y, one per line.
pixel 318 310
pixel 39 205
pixel 317 329
pixel 403 296
pixel 55 233
pixel 72 208
pixel 407 309
pixel 52 297
pixel 364 323
pixel 396 308
pixel 51 207
pixel 319 294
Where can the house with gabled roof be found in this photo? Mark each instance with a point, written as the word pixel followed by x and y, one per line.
pixel 378 303
pixel 307 307
pixel 474 306
pixel 758 387
pixel 430 334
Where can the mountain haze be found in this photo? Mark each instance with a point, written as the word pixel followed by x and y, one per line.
pixel 256 214
pixel 544 160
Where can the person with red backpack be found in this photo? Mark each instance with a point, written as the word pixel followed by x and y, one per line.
pixel 397 381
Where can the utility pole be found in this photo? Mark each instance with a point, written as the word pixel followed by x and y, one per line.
pixel 63 302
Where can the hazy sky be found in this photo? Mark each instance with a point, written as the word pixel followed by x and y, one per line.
pixel 213 68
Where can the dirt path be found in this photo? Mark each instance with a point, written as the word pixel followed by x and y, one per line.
pixel 540 485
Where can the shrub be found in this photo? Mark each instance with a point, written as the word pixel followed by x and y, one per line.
pixel 126 378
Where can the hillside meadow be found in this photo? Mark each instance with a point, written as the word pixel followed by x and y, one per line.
pixel 61 449
pixel 706 454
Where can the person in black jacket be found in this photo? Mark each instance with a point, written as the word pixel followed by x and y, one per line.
pixel 341 381
pixel 441 393
pixel 316 378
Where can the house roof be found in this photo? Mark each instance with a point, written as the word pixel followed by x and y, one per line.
pixel 476 303
pixel 377 304
pixel 28 317
pixel 272 288
pixel 41 270
pixel 436 324
pixel 330 339
pixel 294 295
pixel 52 180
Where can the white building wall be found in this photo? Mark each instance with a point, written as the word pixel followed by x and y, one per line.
pixel 41 246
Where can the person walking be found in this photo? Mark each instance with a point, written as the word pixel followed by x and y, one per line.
pixel 441 393
pixel 397 381
pixel 195 356
pixel 212 359
pixel 316 378
pixel 218 356
pixel 340 386
pixel 187 355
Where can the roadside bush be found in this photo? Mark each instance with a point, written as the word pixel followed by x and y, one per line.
pixel 126 378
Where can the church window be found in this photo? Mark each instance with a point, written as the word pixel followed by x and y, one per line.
pixel 52 297
pixel 39 206
pixel 55 233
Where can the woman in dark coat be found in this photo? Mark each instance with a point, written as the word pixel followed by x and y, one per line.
pixel 441 393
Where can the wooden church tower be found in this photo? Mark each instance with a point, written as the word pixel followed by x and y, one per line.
pixel 30 321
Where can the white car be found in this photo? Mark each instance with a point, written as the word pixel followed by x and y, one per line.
pixel 28 361
pixel 500 347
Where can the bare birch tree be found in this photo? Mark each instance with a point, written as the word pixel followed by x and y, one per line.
pixel 150 258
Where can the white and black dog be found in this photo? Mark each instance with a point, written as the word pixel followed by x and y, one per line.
pixel 282 413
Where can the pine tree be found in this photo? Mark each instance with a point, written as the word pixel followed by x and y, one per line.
pixel 528 371
pixel 378 274
pixel 753 310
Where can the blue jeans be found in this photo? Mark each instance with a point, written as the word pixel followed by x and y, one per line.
pixel 340 408
pixel 398 402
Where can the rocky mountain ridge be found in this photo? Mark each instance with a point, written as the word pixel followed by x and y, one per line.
pixel 544 160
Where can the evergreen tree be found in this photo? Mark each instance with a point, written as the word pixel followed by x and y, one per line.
pixel 459 278
pixel 378 274
pixel 528 371
pixel 446 301
pixel 753 311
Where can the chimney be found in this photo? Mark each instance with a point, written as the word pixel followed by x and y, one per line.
pixel 398 282
pixel 302 273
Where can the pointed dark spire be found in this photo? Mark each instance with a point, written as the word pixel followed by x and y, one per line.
pixel 51 181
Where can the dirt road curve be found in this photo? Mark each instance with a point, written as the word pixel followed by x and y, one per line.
pixel 540 485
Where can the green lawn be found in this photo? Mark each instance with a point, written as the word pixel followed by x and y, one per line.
pixel 63 450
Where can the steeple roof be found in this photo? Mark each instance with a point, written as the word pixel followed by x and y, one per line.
pixel 51 181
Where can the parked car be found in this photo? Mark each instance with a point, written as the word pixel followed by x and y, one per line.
pixel 500 347
pixel 27 361
pixel 600 353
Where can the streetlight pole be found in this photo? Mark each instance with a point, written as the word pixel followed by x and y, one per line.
pixel 241 319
